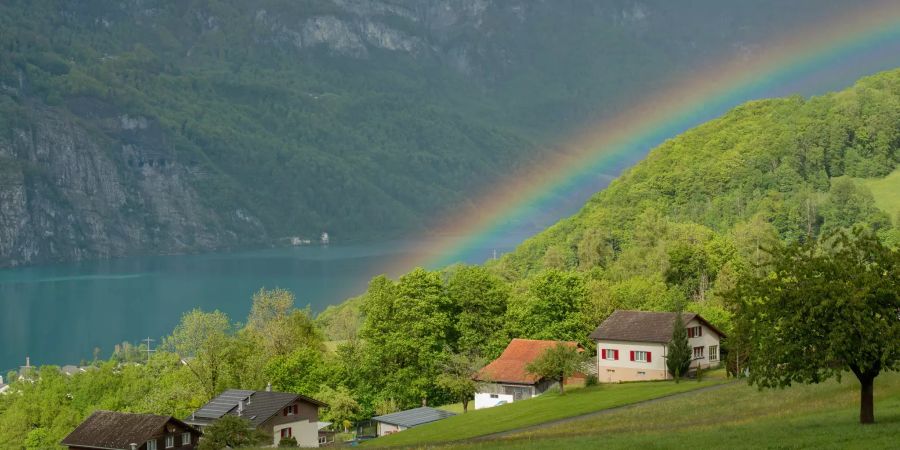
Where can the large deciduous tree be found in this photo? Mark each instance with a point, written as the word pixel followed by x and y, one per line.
pixel 823 310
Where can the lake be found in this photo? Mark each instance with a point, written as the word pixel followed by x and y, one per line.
pixel 57 314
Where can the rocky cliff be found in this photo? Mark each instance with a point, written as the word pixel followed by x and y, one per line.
pixel 146 126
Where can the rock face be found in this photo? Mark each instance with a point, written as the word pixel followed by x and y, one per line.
pixel 150 126
pixel 69 192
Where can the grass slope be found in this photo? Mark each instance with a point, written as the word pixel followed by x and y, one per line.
pixel 887 193
pixel 736 416
pixel 541 409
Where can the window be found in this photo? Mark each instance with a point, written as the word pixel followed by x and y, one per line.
pixel 698 352
pixel 185 438
pixel 286 432
pixel 151 445
pixel 640 356
pixel 495 396
pixel 323 439
pixel 693 332
pixel 642 373
pixel 713 352
pixel 291 410
pixel 170 441
pixel 609 354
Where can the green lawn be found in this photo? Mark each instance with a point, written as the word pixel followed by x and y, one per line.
pixel 547 407
pixel 887 192
pixel 735 416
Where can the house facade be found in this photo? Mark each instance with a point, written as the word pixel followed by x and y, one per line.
pixel 632 345
pixel 506 379
pixel 109 430
pixel 276 414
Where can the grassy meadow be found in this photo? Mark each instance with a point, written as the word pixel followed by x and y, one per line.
pixel 734 416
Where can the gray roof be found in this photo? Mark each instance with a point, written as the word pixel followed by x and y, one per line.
pixel 413 417
pixel 258 406
pixel 643 326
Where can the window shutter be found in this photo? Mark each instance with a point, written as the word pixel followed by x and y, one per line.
pixel 284 412
pixel 632 355
pixel 699 331
pixel 604 353
pixel 648 357
pixel 616 355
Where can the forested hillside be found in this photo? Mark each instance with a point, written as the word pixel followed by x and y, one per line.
pixel 676 231
pixel 144 126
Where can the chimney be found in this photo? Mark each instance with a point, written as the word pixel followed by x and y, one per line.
pixel 268 387
pixel 240 407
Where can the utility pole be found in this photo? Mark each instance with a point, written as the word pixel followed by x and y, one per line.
pixel 148 341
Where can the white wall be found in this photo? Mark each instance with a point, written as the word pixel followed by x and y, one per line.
pixel 707 338
pixel 386 428
pixel 484 399
pixel 305 432
pixel 657 357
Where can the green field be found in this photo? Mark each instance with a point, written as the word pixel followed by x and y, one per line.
pixel 887 193
pixel 734 416
pixel 547 407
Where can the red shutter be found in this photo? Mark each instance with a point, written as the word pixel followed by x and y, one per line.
pixel 603 353
pixel 616 355
pixel 632 355
pixel 284 412
pixel 648 357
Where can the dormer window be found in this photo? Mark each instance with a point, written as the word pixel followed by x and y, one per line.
pixel 291 410
pixel 693 332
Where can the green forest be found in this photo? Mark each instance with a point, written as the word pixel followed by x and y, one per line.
pixel 677 231
pixel 344 136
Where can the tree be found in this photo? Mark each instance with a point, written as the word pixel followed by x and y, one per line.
pixel 301 372
pixel 203 340
pixel 342 407
pixel 556 306
pixel 479 299
pixel 457 378
pixel 288 442
pixel 558 363
pixel 824 310
pixel 229 431
pixel 678 359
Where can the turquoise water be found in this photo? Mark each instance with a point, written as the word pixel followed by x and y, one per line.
pixel 57 314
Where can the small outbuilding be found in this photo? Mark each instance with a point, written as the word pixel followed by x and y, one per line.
pixel 402 420
pixel 506 379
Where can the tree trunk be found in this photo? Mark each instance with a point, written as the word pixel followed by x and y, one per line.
pixel 866 393
pixel 866 401
pixel 465 406
pixel 562 389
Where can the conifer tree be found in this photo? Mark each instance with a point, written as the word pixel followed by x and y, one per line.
pixel 678 358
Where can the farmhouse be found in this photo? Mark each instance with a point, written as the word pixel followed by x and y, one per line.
pixel 632 345
pixel 506 378
pixel 276 414
pixel 111 430
pixel 402 420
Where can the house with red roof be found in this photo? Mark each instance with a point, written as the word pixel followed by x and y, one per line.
pixel 506 378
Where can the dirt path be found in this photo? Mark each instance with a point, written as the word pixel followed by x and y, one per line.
pixel 502 434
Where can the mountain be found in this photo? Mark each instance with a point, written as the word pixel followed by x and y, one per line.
pixel 677 229
pixel 792 167
pixel 145 126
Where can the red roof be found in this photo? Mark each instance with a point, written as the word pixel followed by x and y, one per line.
pixel 510 366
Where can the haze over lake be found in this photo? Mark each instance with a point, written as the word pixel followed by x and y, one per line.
pixel 57 314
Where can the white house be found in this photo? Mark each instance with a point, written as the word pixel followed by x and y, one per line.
pixel 632 345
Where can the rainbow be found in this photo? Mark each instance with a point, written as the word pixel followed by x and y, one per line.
pixel 820 55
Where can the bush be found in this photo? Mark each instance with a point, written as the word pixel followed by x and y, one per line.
pixel 591 380
pixel 287 442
